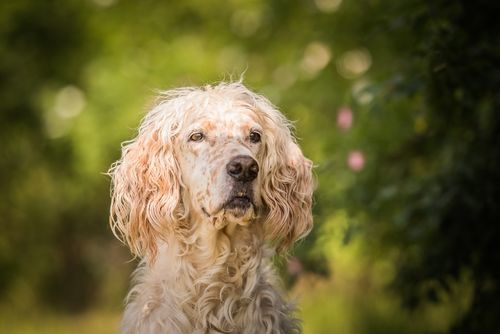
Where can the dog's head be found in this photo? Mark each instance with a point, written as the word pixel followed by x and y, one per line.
pixel 218 155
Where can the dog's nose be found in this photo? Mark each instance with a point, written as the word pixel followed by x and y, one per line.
pixel 243 168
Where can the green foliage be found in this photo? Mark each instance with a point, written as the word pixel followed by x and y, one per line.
pixel 433 195
pixel 395 102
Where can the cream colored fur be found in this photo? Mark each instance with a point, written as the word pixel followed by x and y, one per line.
pixel 207 267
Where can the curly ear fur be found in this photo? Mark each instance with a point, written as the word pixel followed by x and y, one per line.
pixel 145 185
pixel 288 181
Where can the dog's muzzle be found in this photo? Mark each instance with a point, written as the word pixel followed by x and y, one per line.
pixel 243 169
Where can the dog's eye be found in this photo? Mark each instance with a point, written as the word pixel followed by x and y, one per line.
pixel 197 136
pixel 254 137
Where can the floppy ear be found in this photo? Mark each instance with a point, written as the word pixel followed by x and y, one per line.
pixel 287 186
pixel 145 187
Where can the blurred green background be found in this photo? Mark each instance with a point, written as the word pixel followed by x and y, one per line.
pixel 396 102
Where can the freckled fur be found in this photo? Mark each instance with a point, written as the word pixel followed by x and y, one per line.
pixel 205 268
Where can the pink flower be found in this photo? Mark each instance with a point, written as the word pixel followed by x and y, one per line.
pixel 356 160
pixel 344 118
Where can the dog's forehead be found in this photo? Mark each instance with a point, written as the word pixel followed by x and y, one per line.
pixel 226 117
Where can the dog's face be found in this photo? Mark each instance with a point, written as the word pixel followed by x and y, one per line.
pixel 219 153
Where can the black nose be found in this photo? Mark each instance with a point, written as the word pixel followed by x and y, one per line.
pixel 243 168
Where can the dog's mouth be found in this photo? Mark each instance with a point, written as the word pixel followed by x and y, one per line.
pixel 239 202
pixel 236 204
pixel 239 206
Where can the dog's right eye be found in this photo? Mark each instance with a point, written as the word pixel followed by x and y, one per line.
pixel 197 136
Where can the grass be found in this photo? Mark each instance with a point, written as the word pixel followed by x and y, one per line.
pixel 95 322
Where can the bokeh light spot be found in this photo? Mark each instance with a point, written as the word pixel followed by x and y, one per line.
pixel 69 102
pixel 316 56
pixel 328 6
pixel 354 63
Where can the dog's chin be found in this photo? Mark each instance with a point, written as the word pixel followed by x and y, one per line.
pixel 236 210
pixel 239 214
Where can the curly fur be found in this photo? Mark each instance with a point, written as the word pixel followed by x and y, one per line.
pixel 206 268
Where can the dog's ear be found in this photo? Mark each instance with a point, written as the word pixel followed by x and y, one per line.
pixel 145 186
pixel 288 184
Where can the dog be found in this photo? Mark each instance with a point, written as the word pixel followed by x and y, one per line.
pixel 211 188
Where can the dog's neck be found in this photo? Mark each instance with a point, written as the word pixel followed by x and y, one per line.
pixel 205 247
pixel 204 255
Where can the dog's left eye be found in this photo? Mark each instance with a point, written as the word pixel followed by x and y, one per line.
pixel 254 137
pixel 197 136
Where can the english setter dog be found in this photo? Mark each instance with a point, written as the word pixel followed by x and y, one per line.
pixel 213 185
